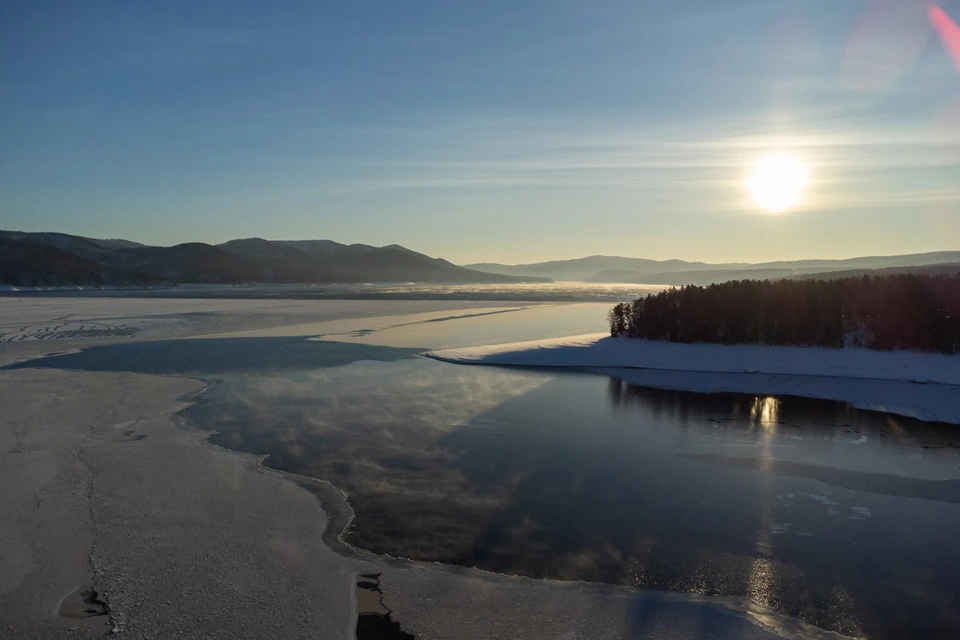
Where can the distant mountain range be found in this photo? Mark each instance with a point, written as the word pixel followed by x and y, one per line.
pixel 947 269
pixel 52 259
pixel 598 268
pixel 613 269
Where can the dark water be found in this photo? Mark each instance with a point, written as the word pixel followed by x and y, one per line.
pixel 846 519
pixel 373 617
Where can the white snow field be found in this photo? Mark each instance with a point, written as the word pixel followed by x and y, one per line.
pixel 919 385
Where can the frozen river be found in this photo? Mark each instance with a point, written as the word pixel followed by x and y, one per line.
pixel 842 518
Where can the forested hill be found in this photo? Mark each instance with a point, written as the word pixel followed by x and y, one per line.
pixel 53 259
pixel 889 312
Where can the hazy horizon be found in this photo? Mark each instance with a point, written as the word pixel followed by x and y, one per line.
pixel 488 132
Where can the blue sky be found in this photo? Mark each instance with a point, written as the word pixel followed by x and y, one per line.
pixel 502 131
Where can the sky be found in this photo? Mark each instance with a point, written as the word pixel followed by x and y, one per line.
pixel 483 131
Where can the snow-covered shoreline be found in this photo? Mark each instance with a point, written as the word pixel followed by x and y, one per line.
pixel 920 385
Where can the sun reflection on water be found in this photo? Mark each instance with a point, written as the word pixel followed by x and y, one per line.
pixel 765 411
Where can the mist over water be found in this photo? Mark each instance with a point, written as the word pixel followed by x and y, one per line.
pixel 784 501
pixel 528 292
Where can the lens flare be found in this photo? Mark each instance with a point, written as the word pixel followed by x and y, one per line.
pixel 949 33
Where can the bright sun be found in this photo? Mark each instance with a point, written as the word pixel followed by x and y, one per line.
pixel 777 182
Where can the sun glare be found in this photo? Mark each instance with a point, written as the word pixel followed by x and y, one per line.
pixel 777 182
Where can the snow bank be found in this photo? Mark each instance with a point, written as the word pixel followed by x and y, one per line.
pixel 600 350
pixel 920 385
